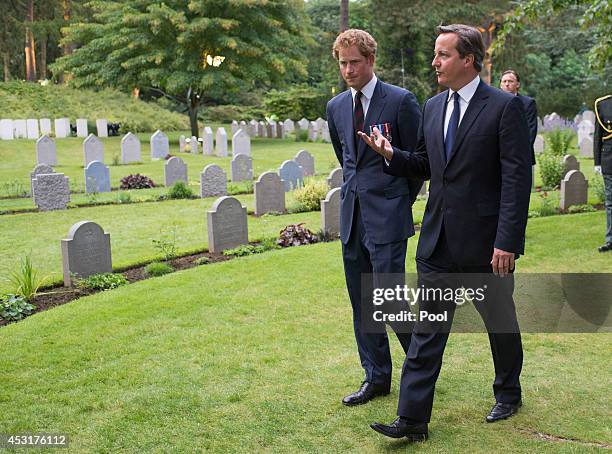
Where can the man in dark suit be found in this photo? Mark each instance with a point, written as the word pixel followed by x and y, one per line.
pixel 511 82
pixel 474 146
pixel 602 152
pixel 375 211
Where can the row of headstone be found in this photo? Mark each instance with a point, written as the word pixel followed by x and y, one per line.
pixel 317 129
pixel 33 128
pixel 87 248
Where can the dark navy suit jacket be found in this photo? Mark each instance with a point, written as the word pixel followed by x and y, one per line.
pixel 531 112
pixel 481 195
pixel 385 200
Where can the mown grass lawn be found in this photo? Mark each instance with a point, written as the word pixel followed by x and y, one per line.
pixel 18 158
pixel 255 354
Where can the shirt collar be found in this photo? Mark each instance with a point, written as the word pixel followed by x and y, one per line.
pixel 467 91
pixel 368 89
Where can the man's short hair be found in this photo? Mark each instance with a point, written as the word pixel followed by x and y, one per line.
pixel 355 37
pixel 511 71
pixel 470 42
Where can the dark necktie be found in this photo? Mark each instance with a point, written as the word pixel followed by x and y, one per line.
pixel 453 125
pixel 358 117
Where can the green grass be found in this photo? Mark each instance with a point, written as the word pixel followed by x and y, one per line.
pixel 18 159
pixel 28 100
pixel 198 361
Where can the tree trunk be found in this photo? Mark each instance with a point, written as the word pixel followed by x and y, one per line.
pixel 193 102
pixel 42 73
pixel 30 50
pixel 5 64
pixel 344 25
pixel 67 48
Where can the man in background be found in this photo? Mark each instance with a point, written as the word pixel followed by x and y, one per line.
pixel 602 152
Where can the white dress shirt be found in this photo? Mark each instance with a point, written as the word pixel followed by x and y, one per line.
pixel 366 95
pixel 465 96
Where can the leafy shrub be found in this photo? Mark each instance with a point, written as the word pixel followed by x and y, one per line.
pixel 101 281
pixel 309 196
pixel 136 181
pixel 558 141
pixel 599 189
pixel 158 269
pixel 581 209
pixel 301 135
pixel 202 260
pixel 228 112
pixel 296 102
pixel 25 279
pixel 248 249
pixel 552 169
pixel 124 197
pixel 296 235
pixel 14 307
pixel 243 187
pixel 546 208
pixel 166 243
pixel 180 190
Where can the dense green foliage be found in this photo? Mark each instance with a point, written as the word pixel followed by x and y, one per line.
pixel 296 102
pixel 158 269
pixel 310 195
pixel 102 281
pixel 180 190
pixel 14 307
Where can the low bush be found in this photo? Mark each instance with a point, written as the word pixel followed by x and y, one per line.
pixel 180 190
pixel 266 244
pixel 296 235
pixel 14 307
pixel 558 141
pixel 137 181
pixel 202 260
pixel 552 169
pixel 154 269
pixel 101 281
pixel 309 196
pixel 580 209
pixel 599 189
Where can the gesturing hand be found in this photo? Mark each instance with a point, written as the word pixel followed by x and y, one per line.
pixel 378 143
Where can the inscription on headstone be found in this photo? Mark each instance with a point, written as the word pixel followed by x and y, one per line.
pixel 241 168
pixel 269 194
pixel 213 181
pixel 292 175
pixel 160 147
pixel 175 170
pixel 574 190
pixel 97 177
pixel 227 224
pixel 86 251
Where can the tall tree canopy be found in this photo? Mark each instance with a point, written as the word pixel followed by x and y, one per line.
pixel 184 48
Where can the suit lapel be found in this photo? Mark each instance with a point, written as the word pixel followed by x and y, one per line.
pixel 474 108
pixel 348 128
pixel 377 104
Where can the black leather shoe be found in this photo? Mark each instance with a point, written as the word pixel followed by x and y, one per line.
pixel 366 393
pixel 400 428
pixel 605 248
pixel 502 411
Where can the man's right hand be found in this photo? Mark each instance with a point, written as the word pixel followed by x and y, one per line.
pixel 597 170
pixel 378 143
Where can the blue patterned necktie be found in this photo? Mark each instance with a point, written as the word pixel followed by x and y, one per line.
pixel 453 125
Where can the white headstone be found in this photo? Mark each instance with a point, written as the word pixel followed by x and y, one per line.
pixel 586 148
pixel 221 142
pixel 46 151
pixel 280 131
pixel 194 145
pixel 289 125
pixel 86 251
pixel 589 115
pixel 213 181
pixel 32 127
pixel 130 149
pixel 330 213
pixel 175 170
pixel 538 145
pixel 160 147
pixel 227 225
pixel 62 128
pixel 81 124
pixel 303 124
pixel 574 190
pixel 306 162
pixel 241 143
pixel 313 132
pixel 21 129
pixel 97 178
pixel 235 127
pixel 261 129
pixel 6 129
pixel 208 142
pixel 51 191
pixel 269 194
pixel 585 129
pixel 292 175
pixel 45 126
pixel 335 178
pixel 253 125
pixel 324 132
pixel 102 127
pixel 241 168
pixel 93 150
pixel 182 143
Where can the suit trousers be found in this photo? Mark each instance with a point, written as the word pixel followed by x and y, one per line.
pixel 424 358
pixel 365 260
pixel 608 206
